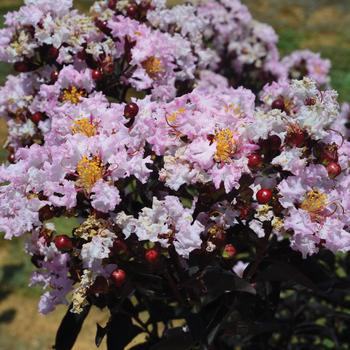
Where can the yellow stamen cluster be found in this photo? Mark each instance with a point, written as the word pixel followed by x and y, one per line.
pixel 264 212
pixel 84 126
pixel 79 297
pixel 277 223
pixel 225 146
pixel 288 104
pixel 20 42
pixel 173 116
pixel 314 202
pixel 232 108
pixel 32 195
pixel 73 95
pixel 89 171
pixel 214 230
pixel 91 227
pixel 153 66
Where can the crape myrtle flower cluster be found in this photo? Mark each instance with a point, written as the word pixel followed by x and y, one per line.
pixel 162 130
pixel 142 45
pixel 306 63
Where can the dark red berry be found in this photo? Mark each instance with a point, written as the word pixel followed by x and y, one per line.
pixel 63 243
pixel 254 161
pixel 329 153
pixel 264 196
pixel 333 169
pixel 296 139
pixel 131 110
pixel 146 5
pixel 112 4
pixel 22 67
pixel 96 74
pixel 278 104
pixel 272 143
pixel 119 247
pixel 54 75
pixel 118 277
pixel 53 53
pixel 37 117
pixel 229 251
pixel 103 26
pixel 11 158
pixel 131 10
pixel 151 255
pixel 244 213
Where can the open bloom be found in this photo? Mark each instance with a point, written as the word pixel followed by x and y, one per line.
pixel 167 222
pixel 314 211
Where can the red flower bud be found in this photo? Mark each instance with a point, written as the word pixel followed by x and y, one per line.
pixel 119 247
pixel 11 158
pixel 131 110
pixel 52 53
pixel 278 104
pixel 264 196
pixel 254 161
pixel 63 243
pixel 229 251
pixel 151 255
pixel 118 277
pixel 54 75
pixel 37 117
pixel 329 154
pixel 333 169
pixel 112 4
pixel 96 74
pixel 131 10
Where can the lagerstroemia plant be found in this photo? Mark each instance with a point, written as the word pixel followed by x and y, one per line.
pixel 209 178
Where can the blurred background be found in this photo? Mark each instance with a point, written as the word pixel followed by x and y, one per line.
pixel 320 25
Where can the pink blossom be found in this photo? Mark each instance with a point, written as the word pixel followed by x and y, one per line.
pixel 104 197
